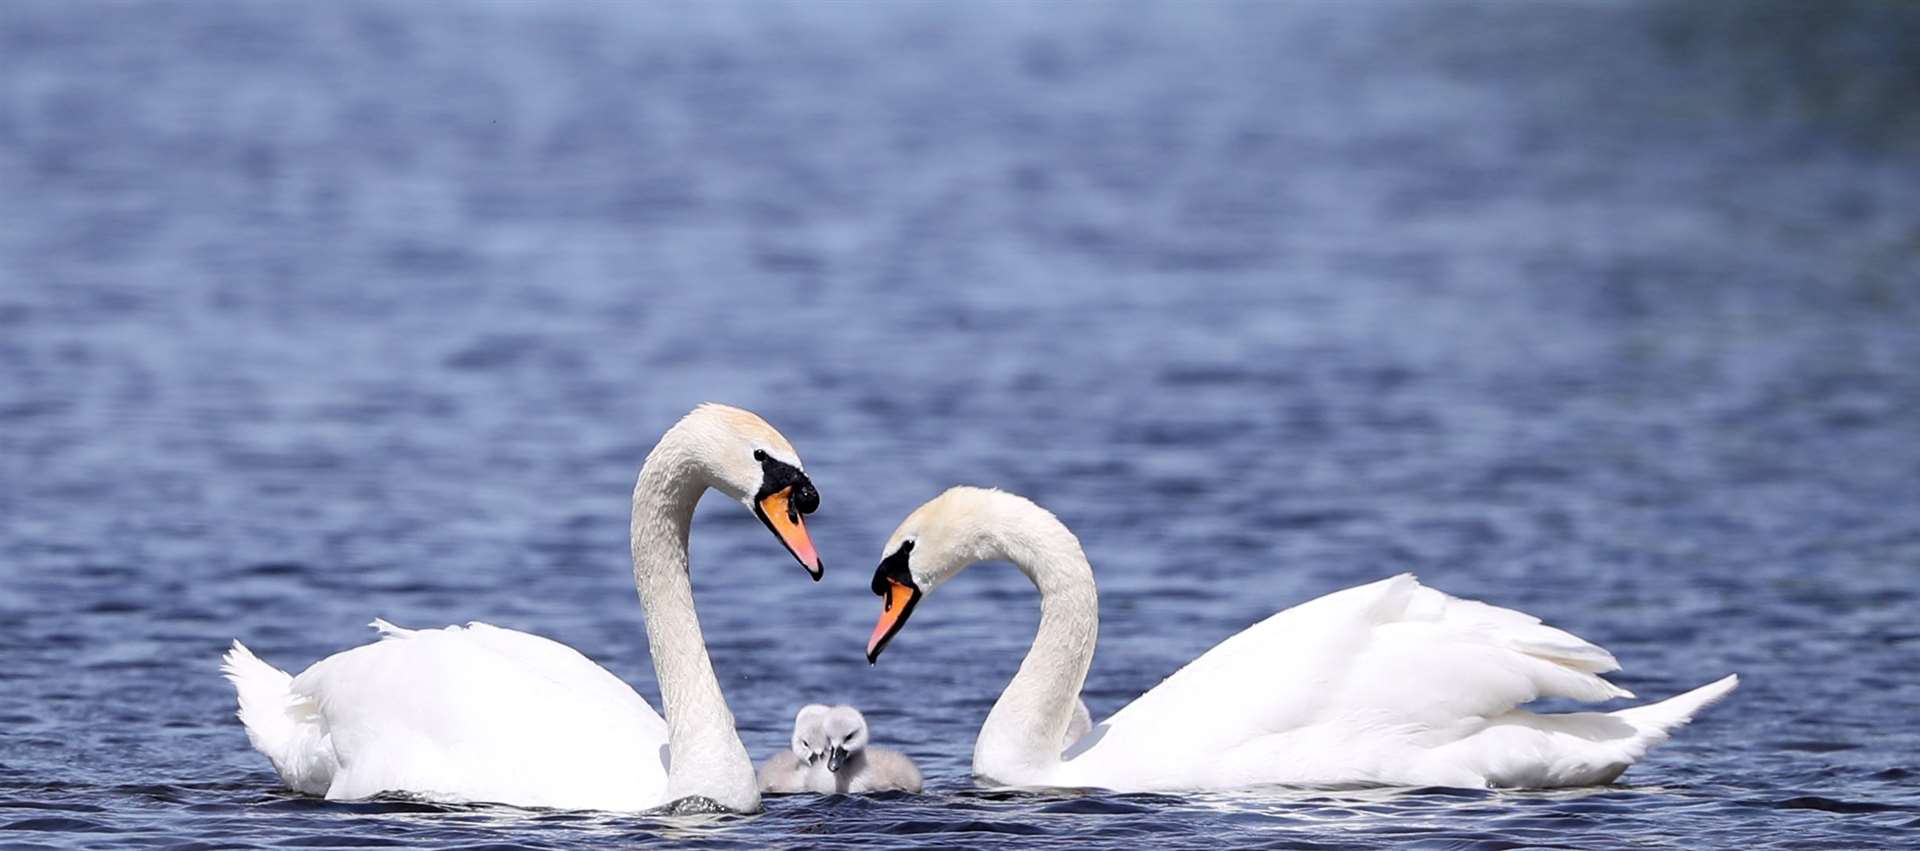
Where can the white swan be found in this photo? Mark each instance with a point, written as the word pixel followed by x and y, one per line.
pixel 1385 684
pixel 480 713
pixel 829 755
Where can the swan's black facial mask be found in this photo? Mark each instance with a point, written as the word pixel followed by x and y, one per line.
pixel 786 494
pixel 893 582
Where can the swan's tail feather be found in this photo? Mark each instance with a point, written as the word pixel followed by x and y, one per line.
pixel 279 723
pixel 1586 748
pixel 264 693
pixel 1654 722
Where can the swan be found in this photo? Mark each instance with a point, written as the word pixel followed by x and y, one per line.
pixel 1385 684
pixel 830 756
pixel 482 713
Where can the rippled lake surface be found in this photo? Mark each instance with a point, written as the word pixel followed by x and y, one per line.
pixel 1608 312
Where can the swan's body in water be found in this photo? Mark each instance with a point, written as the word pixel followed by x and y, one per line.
pixel 481 713
pixel 830 756
pixel 1385 684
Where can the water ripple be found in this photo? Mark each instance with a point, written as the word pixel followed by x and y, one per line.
pixel 312 314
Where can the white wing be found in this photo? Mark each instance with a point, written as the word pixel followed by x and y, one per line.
pixel 474 713
pixel 1389 683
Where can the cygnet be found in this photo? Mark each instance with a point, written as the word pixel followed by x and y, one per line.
pixel 829 755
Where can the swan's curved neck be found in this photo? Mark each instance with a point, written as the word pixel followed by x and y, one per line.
pixel 1020 741
pixel 707 757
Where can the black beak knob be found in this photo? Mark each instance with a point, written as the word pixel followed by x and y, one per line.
pixel 805 498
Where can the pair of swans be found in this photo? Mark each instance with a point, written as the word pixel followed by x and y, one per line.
pixel 1389 683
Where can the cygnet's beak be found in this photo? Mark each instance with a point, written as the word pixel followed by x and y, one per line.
pixel 781 510
pixel 836 758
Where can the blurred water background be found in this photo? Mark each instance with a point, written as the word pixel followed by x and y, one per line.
pixel 1605 311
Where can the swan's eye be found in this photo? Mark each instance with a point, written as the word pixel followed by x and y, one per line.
pixel 760 455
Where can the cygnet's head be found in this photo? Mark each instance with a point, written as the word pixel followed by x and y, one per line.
pixel 753 464
pixel 810 732
pixel 846 735
pixel 834 734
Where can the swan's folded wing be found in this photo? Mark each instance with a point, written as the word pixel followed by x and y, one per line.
pixel 1276 675
pixel 569 669
pixel 1441 661
pixel 485 714
pixel 1391 656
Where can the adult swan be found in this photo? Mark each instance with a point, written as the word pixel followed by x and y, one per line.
pixel 480 713
pixel 1385 684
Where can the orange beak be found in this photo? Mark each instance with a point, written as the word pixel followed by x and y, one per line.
pixel 896 605
pixel 777 511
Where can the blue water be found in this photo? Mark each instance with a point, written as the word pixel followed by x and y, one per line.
pixel 311 313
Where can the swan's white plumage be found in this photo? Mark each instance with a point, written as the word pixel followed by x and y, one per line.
pixel 474 713
pixel 1080 725
pixel 480 713
pixel 1390 683
pixel 279 723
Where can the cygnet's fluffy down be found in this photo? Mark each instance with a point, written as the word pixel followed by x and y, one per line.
pixel 829 755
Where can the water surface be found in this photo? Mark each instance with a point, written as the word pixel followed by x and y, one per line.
pixel 316 313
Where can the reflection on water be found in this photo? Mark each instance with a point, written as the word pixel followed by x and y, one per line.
pixel 311 314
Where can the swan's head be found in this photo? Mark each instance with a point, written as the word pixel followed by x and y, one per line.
pixel 932 545
pixel 754 465
pixel 846 733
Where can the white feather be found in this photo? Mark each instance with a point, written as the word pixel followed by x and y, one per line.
pixel 481 713
pixel 1389 683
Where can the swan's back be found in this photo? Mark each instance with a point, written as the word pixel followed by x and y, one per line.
pixel 1390 683
pixel 474 713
